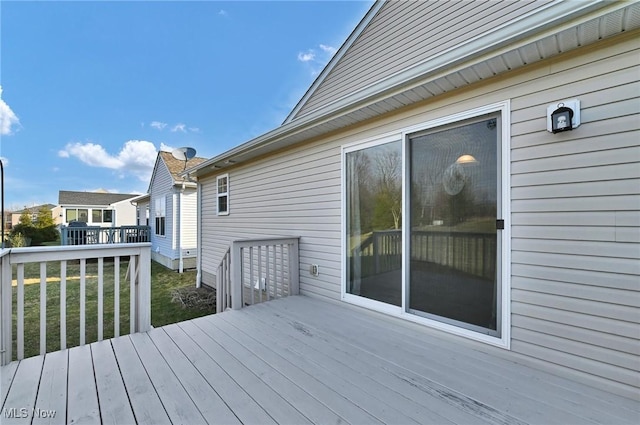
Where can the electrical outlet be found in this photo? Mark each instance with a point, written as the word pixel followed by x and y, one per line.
pixel 260 284
pixel 314 270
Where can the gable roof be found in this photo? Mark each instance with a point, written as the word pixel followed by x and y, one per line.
pixel 176 166
pixel 67 197
pixel 556 28
pixel 377 5
pixel 34 208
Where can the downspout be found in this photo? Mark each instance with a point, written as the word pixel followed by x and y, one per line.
pixel 179 236
pixel 198 236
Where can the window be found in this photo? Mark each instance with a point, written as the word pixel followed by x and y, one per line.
pixel 96 216
pixel 222 182
pixel 80 214
pixel 101 216
pixel 160 214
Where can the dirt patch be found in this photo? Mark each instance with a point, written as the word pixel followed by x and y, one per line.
pixel 195 298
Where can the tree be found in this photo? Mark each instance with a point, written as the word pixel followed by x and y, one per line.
pixel 45 219
pixel 25 217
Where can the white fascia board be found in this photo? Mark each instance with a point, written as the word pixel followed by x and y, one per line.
pixel 540 23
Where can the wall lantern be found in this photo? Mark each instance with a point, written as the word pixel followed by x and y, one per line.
pixel 563 116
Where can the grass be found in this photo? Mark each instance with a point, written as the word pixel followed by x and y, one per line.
pixel 164 284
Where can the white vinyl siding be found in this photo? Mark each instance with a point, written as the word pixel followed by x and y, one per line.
pixel 161 188
pixel 401 36
pixel 575 203
pixel 188 221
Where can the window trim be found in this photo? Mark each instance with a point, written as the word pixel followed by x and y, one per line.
pixel 222 194
pixel 160 213
pixel 504 109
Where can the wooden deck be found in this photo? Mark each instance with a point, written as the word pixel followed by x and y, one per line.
pixel 296 360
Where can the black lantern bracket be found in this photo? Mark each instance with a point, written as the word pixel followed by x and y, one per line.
pixel 563 116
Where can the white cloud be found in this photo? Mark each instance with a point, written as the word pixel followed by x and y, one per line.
pixel 166 148
pixel 179 127
pixel 306 57
pixel 158 125
pixel 137 157
pixel 7 117
pixel 223 12
pixel 194 129
pixel 329 49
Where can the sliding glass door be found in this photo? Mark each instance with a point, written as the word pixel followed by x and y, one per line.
pixel 423 222
pixel 454 200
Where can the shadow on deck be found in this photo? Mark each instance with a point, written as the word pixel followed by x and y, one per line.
pixel 295 360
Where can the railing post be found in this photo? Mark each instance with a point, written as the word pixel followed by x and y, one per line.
pixel 236 276
pixel 6 338
pixel 376 256
pixel 63 235
pixel 143 296
pixel 294 268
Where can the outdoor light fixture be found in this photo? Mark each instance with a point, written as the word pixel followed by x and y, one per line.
pixel 466 159
pixel 563 116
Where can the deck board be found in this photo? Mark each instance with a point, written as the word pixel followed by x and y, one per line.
pixel 274 404
pixel 52 392
pixel 112 396
pixel 145 402
pixel 82 398
pixel 296 360
pixel 370 377
pixel 244 407
pixel 210 405
pixel 284 379
pixel 474 373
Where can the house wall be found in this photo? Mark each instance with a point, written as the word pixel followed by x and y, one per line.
pixel 125 213
pixel 162 247
pixel 575 202
pixel 189 222
pixel 427 29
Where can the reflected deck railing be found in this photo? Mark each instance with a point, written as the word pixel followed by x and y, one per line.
pixel 96 235
pixel 136 256
pixel 467 252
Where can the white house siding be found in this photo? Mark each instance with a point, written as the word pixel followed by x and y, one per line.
pixel 125 213
pixel 575 203
pixel 401 36
pixel 188 231
pixel 162 246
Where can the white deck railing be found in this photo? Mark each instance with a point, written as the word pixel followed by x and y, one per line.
pixel 13 261
pixel 257 270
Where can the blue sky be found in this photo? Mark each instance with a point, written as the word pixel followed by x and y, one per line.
pixel 91 90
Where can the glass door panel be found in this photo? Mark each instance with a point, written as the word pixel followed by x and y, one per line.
pixel 454 175
pixel 374 223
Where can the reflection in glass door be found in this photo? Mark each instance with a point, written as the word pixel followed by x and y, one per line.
pixel 374 222
pixel 454 200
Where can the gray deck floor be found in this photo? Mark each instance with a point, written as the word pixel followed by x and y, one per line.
pixel 296 360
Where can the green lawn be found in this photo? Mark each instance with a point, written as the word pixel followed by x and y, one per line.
pixel 164 282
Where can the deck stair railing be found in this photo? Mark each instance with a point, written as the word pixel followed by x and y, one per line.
pixel 96 235
pixel 258 270
pixel 67 262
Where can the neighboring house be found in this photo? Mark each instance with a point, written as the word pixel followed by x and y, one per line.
pixel 96 208
pixel 33 212
pixel 419 174
pixel 169 207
